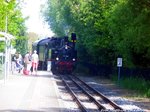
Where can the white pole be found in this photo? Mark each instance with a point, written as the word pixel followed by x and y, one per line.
pixel 6 23
pixel 6 51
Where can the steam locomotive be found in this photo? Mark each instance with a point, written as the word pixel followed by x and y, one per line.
pixel 57 54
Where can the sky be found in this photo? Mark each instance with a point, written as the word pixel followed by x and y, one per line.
pixel 35 23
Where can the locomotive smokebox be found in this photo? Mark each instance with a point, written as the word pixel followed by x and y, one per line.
pixel 66 38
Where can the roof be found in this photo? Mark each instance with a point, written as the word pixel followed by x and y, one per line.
pixel 8 36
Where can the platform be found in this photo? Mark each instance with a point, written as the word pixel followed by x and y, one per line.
pixel 32 93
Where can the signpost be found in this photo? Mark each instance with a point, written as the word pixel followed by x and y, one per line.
pixel 119 65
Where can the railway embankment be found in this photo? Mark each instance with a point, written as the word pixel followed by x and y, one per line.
pixel 131 99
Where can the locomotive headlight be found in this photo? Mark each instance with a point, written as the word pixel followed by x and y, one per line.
pixel 73 59
pixel 66 47
pixel 57 58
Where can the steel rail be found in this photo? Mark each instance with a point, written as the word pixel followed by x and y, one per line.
pixel 100 94
pixel 81 106
pixel 99 105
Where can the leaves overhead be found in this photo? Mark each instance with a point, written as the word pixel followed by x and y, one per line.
pixel 11 12
pixel 105 29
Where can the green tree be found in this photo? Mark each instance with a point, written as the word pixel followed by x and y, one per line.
pixel 105 29
pixel 15 22
pixel 32 37
pixel 129 26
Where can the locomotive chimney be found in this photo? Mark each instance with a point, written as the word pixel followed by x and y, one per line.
pixel 73 38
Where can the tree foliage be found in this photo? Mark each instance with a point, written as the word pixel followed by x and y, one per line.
pixel 32 37
pixel 105 29
pixel 10 13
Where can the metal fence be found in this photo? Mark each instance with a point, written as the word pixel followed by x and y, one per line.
pixel 5 59
pixel 107 71
pixel 102 70
pixel 2 64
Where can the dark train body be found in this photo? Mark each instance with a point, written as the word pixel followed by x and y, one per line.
pixel 56 54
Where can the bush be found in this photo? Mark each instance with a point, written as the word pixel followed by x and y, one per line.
pixel 81 69
pixel 135 83
pixel 148 93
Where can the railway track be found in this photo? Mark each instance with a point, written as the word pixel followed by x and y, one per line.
pixel 87 98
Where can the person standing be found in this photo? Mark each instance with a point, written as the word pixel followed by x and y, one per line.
pixel 27 61
pixel 14 57
pixel 19 65
pixel 35 60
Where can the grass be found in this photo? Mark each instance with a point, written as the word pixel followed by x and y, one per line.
pixel 135 83
pixel 139 85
